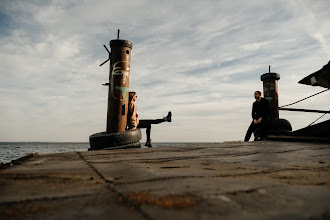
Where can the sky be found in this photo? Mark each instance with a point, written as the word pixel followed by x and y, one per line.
pixel 202 60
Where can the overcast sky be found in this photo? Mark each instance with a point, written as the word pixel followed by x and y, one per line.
pixel 202 60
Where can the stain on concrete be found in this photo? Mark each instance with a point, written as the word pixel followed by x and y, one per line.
pixel 168 201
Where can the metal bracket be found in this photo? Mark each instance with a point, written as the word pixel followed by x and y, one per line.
pixel 109 56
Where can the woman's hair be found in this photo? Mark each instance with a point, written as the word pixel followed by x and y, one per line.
pixel 131 95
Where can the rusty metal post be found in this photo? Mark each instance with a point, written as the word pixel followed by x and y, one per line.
pixel 271 91
pixel 120 59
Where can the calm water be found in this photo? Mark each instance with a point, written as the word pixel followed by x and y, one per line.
pixel 13 150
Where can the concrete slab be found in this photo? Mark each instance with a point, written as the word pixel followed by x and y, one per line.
pixel 254 180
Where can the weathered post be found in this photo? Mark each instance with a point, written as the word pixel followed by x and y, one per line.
pixel 276 125
pixel 116 136
pixel 271 91
pixel 120 59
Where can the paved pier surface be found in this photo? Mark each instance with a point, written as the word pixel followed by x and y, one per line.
pixel 254 180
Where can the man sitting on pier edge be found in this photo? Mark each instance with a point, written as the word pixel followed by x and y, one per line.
pixel 260 113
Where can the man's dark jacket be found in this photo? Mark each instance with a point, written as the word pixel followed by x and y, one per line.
pixel 260 109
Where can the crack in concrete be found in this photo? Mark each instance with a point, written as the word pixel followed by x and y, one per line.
pixel 112 189
pixel 163 160
pixel 94 169
pixel 167 159
pixel 242 154
pixel 143 160
pixel 27 177
pixel 213 176
pixel 150 151
pixel 285 151
pixel 44 198
pixel 174 167
pixel 234 193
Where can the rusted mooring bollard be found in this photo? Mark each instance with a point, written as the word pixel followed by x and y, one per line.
pixel 116 135
pixel 270 85
pixel 274 125
pixel 120 61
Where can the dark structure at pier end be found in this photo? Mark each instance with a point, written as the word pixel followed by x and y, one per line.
pixel 319 78
pixel 319 132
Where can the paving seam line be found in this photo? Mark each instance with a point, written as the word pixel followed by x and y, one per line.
pixel 217 176
pixel 119 194
pixel 44 198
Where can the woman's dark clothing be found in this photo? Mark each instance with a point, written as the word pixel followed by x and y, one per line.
pixel 147 124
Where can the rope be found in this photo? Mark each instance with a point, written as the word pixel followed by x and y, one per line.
pixel 304 98
pixel 317 119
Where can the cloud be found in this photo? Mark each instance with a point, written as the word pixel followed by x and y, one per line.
pixel 201 60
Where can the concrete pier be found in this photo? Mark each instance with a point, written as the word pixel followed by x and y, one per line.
pixel 253 180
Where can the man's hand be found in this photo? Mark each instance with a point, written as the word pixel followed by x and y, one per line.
pixel 255 121
pixel 259 120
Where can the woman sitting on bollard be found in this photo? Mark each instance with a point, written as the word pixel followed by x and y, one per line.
pixel 132 116
pixel 133 121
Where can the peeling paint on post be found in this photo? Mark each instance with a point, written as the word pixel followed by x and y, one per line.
pixel 271 91
pixel 120 59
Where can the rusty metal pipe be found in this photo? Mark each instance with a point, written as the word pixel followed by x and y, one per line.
pixel 120 59
pixel 270 86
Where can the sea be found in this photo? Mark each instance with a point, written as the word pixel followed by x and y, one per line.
pixel 14 150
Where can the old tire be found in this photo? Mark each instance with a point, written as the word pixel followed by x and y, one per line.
pixel 279 126
pixel 127 139
pixel 131 145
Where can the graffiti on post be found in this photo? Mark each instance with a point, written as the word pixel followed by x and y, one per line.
pixel 120 73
